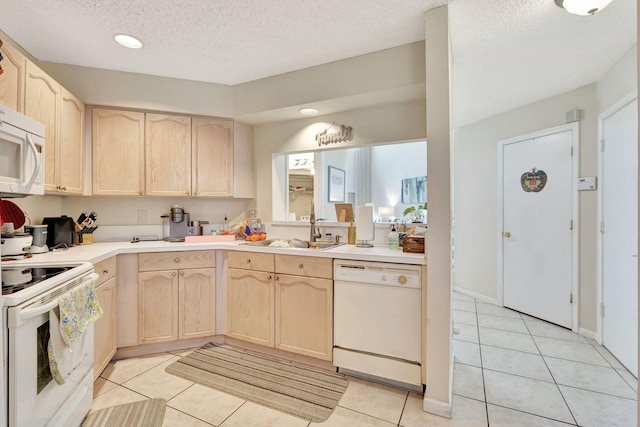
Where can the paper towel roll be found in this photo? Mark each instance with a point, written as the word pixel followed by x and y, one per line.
pixel 364 223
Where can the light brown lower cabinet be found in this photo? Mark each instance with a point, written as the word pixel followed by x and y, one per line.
pixel 179 303
pixel 104 329
pixel 281 301
pixel 250 306
pixel 304 315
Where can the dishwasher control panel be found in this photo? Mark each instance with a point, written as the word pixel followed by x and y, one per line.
pixel 377 273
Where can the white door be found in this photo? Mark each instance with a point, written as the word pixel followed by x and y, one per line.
pixel 537 243
pixel 619 185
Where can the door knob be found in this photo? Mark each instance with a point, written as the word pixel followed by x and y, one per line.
pixel 506 234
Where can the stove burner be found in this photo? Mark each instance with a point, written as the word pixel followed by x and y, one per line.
pixel 15 279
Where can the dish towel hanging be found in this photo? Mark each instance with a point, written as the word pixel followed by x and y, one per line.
pixel 68 322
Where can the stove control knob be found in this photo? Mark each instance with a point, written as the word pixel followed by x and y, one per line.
pixel 402 280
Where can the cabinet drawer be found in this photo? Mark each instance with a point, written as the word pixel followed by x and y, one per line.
pixel 250 261
pixel 305 266
pixel 105 269
pixel 175 260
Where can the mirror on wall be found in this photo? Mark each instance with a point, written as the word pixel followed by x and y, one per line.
pixel 374 174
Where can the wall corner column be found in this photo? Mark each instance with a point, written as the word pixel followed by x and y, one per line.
pixel 439 355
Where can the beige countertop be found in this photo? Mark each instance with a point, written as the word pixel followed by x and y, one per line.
pixel 99 251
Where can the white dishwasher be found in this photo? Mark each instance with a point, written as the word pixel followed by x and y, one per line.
pixel 378 320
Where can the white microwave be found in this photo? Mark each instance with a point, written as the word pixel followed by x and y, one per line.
pixel 21 154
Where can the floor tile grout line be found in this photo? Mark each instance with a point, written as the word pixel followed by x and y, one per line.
pixel 189 414
pixel 531 413
pixel 580 361
pixel 484 386
pixel 404 407
pixel 512 349
pixel 519 376
pixel 603 356
pixel 504 330
pixel 368 415
pixel 599 392
pixel 231 414
pixel 564 399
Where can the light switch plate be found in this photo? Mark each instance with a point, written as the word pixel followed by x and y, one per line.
pixel 587 183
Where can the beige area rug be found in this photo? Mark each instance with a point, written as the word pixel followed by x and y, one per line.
pixel 293 388
pixel 146 413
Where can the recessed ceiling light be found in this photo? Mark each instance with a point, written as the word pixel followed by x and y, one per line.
pixel 308 111
pixel 127 41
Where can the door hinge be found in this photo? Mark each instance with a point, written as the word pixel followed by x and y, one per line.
pixel 571 298
pixel 571 151
pixel 571 225
pixel 602 309
pixel 602 144
pixel 602 226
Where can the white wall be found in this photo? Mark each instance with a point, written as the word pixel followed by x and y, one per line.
pixel 391 164
pixel 475 151
pixel 476 205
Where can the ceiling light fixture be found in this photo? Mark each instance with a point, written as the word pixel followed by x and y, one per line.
pixel 127 41
pixel 308 111
pixel 583 7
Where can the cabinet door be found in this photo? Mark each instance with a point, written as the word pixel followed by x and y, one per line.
pixel 42 98
pixel 12 81
pixel 168 155
pixel 197 303
pixel 212 157
pixel 69 165
pixel 304 315
pixel 118 152
pixel 250 306
pixel 104 346
pixel 158 307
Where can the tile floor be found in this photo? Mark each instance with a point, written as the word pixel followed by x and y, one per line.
pixel 510 370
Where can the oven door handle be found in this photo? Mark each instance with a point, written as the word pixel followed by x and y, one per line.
pixel 30 313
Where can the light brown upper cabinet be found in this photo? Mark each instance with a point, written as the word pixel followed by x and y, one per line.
pixel 42 103
pixel 69 159
pixel 12 81
pixel 63 117
pixel 168 155
pixel 212 157
pixel 118 152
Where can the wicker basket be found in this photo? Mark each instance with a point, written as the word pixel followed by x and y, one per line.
pixel 413 244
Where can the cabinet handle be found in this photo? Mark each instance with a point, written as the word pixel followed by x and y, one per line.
pixel 188 193
pixel 182 273
pixel 277 277
pixel 64 188
pixel 177 259
pixel 105 271
pixel 300 266
pixel 140 193
pixel 248 260
pixel 173 273
pixel 270 276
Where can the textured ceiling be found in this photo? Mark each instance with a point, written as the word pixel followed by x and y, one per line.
pixel 506 53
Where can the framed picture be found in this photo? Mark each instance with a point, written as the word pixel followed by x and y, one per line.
pixel 414 190
pixel 336 185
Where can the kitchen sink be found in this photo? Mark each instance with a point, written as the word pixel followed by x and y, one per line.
pixel 295 244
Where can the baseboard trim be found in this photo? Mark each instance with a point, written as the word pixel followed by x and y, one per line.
pixel 437 407
pixel 588 333
pixel 475 295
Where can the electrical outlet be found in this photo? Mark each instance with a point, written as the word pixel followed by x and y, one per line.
pixel 142 216
pixel 253 213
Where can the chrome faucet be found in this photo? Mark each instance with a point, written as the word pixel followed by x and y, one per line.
pixel 312 220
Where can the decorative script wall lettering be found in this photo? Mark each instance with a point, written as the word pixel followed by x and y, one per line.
pixel 342 134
